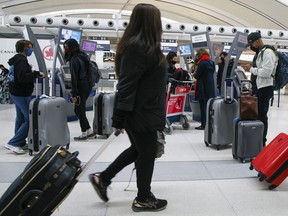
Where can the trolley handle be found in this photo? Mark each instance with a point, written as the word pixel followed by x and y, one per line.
pixel 172 80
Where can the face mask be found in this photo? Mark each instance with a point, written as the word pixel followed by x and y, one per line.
pixel 255 49
pixel 173 62
pixel 28 52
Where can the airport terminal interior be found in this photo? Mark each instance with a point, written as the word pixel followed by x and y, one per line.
pixel 196 180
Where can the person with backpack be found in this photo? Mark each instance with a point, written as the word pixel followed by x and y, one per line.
pixel 81 83
pixel 266 63
pixel 21 84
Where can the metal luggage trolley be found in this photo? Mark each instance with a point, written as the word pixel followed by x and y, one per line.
pixel 175 104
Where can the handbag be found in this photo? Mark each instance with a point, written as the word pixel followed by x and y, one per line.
pixel 248 107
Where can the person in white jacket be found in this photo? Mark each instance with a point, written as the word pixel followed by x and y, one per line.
pixel 266 63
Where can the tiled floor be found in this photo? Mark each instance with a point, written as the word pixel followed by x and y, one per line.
pixel 195 179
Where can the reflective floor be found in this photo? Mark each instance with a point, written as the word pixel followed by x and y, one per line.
pixel 195 179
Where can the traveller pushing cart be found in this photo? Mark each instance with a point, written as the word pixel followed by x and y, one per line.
pixel 175 104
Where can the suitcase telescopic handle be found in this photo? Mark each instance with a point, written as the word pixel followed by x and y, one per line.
pixel 99 152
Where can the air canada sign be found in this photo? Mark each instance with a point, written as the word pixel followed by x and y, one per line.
pixel 7 51
pixel 48 52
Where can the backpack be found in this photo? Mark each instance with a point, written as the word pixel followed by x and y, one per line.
pixel 11 74
pixel 280 75
pixel 181 75
pixel 93 72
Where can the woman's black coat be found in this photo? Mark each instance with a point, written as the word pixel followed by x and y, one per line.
pixel 141 92
pixel 204 74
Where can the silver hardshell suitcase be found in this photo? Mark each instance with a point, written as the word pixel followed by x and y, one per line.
pixel 103 111
pixel 47 123
pixel 247 139
pixel 219 122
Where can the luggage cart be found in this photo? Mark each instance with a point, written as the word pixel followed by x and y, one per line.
pixel 175 104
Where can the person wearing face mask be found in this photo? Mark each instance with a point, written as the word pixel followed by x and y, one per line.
pixel 81 85
pixel 264 64
pixel 205 83
pixel 21 89
pixel 171 58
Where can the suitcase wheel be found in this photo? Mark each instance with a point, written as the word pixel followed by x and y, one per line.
pixel 251 167
pixel 218 147
pixel 30 152
pixel 235 157
pixel 242 160
pixel 68 146
pixel 206 143
pixel 261 178
pixel 271 187
pixel 168 130
pixel 185 125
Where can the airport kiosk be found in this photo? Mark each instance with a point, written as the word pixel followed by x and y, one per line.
pixel 185 51
pixel 238 46
pixel 41 85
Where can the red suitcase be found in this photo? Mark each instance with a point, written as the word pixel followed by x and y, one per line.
pixel 271 163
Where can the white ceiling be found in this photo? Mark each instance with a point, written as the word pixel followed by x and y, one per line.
pixel 253 14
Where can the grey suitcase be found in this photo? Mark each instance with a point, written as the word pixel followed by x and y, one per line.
pixel 103 111
pixel 47 123
pixel 247 139
pixel 219 122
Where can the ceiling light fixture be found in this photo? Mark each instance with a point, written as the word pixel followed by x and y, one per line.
pixel 96 11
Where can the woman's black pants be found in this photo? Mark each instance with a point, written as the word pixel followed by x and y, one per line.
pixel 142 151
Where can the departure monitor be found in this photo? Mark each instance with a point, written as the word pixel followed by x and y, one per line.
pixel 88 46
pixel 66 33
pixel 185 49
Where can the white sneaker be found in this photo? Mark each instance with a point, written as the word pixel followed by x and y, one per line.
pixel 15 149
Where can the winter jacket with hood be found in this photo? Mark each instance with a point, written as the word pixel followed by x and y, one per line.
pixel 23 76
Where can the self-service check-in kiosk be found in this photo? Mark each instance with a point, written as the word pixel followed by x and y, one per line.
pixel 63 89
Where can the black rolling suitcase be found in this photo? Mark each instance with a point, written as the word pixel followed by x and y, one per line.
pixel 46 181
pixel 247 139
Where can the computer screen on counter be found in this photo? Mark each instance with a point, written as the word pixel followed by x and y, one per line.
pixel 88 46
pixel 185 49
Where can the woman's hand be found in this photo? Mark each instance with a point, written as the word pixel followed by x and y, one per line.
pixel 41 75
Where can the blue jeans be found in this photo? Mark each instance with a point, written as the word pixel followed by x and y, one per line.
pixel 22 120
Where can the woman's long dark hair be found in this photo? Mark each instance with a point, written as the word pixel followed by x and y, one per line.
pixel 144 28
pixel 73 47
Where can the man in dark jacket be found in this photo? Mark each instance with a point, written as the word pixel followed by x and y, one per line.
pixel 221 65
pixel 21 86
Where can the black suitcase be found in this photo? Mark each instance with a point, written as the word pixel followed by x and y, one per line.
pixel 46 181
pixel 247 139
